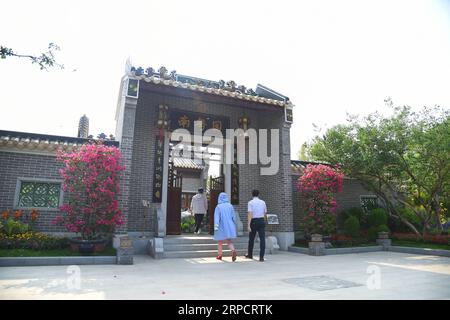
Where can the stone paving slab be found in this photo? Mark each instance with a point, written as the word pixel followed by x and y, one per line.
pixel 55 261
pixel 401 275
pixel 321 283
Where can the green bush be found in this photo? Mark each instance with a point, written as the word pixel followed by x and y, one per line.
pixel 187 224
pixel 357 212
pixel 352 227
pixel 15 227
pixel 372 233
pixel 32 240
pixel 377 217
pixel 341 217
pixel 383 228
pixel 396 225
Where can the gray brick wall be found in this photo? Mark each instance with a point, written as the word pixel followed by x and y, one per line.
pixel 15 165
pixel 141 174
pixel 348 198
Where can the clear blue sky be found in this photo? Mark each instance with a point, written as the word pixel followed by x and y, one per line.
pixel 329 57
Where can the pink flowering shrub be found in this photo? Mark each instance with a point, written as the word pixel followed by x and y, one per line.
pixel 318 187
pixel 91 180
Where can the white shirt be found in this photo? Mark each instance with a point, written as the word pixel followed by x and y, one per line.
pixel 199 204
pixel 257 207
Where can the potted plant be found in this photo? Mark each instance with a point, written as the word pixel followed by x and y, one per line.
pixel 318 187
pixel 91 182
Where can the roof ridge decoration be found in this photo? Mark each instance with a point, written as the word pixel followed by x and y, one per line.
pixel 221 87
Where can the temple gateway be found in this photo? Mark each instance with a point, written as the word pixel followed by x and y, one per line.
pixel 161 174
pixel 158 182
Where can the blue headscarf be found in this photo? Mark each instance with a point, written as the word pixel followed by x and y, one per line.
pixel 223 198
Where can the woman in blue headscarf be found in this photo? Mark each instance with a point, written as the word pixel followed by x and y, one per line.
pixel 224 225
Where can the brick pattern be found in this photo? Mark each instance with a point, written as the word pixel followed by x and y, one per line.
pixel 348 198
pixel 143 152
pixel 14 165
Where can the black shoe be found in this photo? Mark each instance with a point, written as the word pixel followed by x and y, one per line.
pixel 261 259
pixel 248 257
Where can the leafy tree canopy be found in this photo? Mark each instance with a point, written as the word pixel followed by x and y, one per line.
pixel 404 158
pixel 44 60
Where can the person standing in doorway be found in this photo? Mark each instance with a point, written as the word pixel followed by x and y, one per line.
pixel 199 206
pixel 257 217
pixel 224 225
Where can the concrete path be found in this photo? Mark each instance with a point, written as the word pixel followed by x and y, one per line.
pixel 283 276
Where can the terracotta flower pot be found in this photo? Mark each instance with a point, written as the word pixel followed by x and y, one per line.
pixel 383 235
pixel 315 237
pixel 87 246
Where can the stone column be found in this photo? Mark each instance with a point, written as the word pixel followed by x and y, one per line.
pixel 126 122
pixel 383 240
pixel 125 251
pixel 285 230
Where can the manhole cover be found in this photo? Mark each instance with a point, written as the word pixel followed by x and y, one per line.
pixel 321 283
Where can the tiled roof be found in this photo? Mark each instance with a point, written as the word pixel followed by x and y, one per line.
pixel 297 166
pixel 221 88
pixel 43 142
pixel 187 164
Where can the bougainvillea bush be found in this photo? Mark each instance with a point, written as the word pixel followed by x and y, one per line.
pixel 318 187
pixel 91 180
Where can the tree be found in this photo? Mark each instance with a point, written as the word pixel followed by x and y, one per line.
pixel 91 178
pixel 318 187
pixel 44 60
pixel 303 152
pixel 403 158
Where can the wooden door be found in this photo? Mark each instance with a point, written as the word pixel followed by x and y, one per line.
pixel 173 220
pixel 216 187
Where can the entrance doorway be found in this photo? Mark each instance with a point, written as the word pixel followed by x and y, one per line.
pixel 174 190
pixel 203 168
pixel 216 186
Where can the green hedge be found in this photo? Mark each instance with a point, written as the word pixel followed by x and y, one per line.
pixel 352 227
pixel 32 240
pixel 378 217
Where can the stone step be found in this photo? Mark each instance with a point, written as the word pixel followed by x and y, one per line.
pixel 200 239
pixel 204 246
pixel 202 254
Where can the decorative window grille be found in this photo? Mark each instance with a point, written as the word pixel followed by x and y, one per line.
pixel 368 202
pixel 39 194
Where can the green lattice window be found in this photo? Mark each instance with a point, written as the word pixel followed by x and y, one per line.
pixel 39 194
pixel 368 203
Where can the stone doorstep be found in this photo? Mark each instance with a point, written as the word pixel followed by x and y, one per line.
pixel 56 261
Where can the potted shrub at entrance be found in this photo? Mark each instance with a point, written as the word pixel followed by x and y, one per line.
pixel 91 182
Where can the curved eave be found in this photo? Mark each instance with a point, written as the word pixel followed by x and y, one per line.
pixel 212 91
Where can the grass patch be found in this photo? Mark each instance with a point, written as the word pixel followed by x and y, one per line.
pixel 51 253
pixel 420 244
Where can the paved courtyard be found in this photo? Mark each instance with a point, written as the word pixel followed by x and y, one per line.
pixel 378 275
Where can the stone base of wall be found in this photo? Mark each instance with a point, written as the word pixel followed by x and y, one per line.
pixel 284 239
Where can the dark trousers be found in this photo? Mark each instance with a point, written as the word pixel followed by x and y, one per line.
pixel 198 221
pixel 257 225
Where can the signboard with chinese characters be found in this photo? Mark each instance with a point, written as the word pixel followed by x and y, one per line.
pixel 185 120
pixel 235 178
pixel 158 169
pixel 272 219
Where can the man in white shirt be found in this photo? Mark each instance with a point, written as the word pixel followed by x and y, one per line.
pixel 199 206
pixel 257 217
